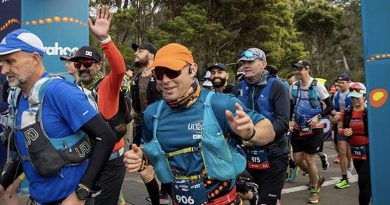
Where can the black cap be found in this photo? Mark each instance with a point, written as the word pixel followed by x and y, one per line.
pixel 272 70
pixel 218 65
pixel 146 46
pixel 302 64
pixel 343 77
pixel 87 52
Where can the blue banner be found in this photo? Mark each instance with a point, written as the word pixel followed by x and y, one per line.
pixel 10 16
pixel 61 25
pixel 376 42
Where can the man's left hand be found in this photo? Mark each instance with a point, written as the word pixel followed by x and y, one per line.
pixel 102 22
pixel 73 200
pixel 241 124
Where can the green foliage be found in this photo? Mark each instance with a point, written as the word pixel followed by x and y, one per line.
pixel 322 31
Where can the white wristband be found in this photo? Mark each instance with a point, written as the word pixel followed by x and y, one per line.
pixel 106 40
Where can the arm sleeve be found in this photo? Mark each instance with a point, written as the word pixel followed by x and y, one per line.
pixel 10 173
pixel 329 107
pixel 281 103
pixel 98 130
pixel 110 86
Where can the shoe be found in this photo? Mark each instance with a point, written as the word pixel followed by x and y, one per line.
pixel 321 181
pixel 305 174
pixel 337 160
pixel 314 198
pixel 292 176
pixel 324 162
pixel 342 184
pixel 164 199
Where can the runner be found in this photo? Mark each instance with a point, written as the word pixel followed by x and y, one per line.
pixel 111 102
pixel 342 102
pixel 200 118
pixel 267 95
pixel 307 134
pixel 353 125
pixel 219 78
pixel 49 161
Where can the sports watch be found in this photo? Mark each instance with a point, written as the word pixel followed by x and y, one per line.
pixel 82 192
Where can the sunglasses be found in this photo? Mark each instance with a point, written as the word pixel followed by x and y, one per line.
pixel 86 64
pixel 171 74
pixel 248 54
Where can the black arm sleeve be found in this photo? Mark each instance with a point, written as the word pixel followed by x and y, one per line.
pixel 329 107
pixel 11 171
pixel 281 102
pixel 105 139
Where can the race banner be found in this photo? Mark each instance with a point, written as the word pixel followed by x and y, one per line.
pixel 62 26
pixel 376 43
pixel 10 16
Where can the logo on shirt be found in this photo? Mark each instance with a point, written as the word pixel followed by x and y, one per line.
pixel 196 128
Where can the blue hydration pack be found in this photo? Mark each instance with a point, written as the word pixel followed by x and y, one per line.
pixel 221 160
pixel 263 104
pixel 305 108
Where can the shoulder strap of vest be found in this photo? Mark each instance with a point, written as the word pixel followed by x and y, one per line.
pixel 156 118
pixel 347 117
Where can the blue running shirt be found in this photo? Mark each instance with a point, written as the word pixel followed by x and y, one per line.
pixel 65 110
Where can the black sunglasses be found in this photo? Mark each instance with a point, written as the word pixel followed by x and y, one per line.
pixel 86 64
pixel 159 73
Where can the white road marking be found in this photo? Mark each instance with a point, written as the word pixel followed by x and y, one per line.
pixel 332 181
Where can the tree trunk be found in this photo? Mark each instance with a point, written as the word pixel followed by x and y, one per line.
pixel 345 63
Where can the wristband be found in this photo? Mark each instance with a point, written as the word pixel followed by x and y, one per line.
pixel 144 163
pixel 105 40
pixel 253 134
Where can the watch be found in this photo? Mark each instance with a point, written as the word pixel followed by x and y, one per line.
pixel 82 192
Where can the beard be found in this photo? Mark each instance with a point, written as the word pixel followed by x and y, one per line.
pixel 141 63
pixel 16 81
pixel 219 84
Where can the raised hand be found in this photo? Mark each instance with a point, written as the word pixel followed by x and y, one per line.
pixel 241 124
pixel 133 159
pixel 102 22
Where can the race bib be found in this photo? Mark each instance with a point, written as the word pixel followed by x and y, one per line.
pixel 185 192
pixel 257 159
pixel 359 152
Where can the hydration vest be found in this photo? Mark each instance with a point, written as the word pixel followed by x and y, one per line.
pixel 119 122
pixel 348 102
pixel 264 106
pixel 305 108
pixel 348 118
pixel 47 155
pixel 221 160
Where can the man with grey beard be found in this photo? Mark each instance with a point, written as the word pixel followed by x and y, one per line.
pixel 219 78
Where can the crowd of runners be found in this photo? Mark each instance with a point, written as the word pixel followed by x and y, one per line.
pixel 192 141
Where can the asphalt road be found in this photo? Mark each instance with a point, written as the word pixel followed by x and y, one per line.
pixel 294 193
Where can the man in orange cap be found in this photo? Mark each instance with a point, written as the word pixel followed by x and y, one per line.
pixel 186 132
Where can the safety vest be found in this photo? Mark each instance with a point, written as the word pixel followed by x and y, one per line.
pixel 221 160
pixel 47 155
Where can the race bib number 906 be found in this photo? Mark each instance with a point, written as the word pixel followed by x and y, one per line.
pixel 189 193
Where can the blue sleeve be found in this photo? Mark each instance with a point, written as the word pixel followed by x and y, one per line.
pixel 222 102
pixel 70 102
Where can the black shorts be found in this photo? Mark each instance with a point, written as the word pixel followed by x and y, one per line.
pixel 271 181
pixel 308 144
